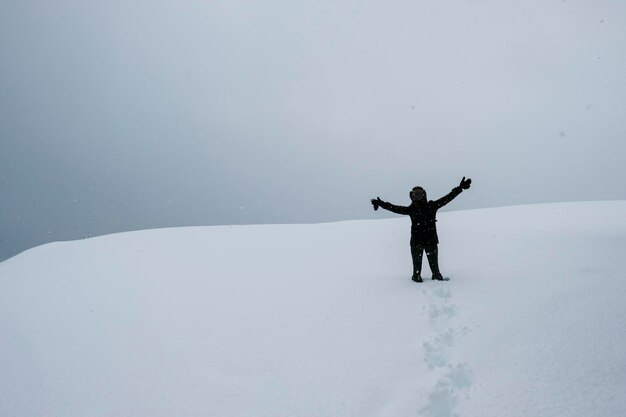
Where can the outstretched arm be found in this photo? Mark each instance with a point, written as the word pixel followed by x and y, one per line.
pixel 377 202
pixel 464 185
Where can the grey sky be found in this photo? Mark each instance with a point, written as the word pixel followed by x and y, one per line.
pixel 125 115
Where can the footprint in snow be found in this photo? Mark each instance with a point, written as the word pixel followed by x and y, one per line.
pixel 454 379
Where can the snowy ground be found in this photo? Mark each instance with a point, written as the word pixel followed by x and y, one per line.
pixel 323 320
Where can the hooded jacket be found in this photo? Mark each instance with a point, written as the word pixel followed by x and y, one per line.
pixel 423 217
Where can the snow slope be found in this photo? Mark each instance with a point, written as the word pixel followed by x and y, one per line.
pixel 323 320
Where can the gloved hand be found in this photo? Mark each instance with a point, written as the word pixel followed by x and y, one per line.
pixel 376 202
pixel 465 183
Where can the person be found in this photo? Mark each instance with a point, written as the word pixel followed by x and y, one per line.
pixel 423 225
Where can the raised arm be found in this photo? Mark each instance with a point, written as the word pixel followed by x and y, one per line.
pixel 464 185
pixel 377 202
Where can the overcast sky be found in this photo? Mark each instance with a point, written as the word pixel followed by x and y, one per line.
pixel 125 115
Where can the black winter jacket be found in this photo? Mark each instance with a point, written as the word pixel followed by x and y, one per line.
pixel 423 217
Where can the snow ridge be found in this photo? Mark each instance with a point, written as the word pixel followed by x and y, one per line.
pixel 324 320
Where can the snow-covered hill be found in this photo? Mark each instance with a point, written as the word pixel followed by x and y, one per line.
pixel 323 320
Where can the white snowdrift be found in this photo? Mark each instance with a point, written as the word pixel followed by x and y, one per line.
pixel 323 320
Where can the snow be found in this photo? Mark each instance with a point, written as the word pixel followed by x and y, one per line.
pixel 323 320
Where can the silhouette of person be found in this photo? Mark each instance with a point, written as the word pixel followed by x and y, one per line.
pixel 423 215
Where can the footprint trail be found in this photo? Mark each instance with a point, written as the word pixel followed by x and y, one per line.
pixel 453 379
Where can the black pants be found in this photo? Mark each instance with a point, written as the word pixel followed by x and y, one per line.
pixel 432 254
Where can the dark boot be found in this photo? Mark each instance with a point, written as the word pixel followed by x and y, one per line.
pixel 432 253
pixel 416 254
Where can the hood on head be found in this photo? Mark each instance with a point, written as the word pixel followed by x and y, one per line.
pixel 418 195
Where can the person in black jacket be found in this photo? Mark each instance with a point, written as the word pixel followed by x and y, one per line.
pixel 423 225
